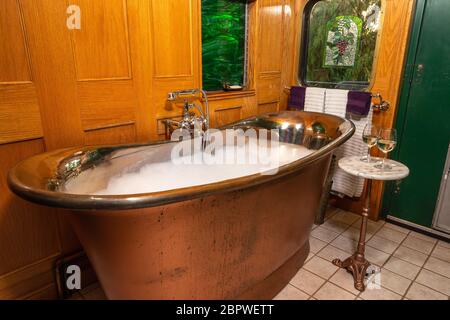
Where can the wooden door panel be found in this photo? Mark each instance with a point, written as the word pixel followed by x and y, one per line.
pixel 271 35
pixel 172 25
pixel 107 103
pixel 14 62
pixel 101 47
pixel 20 118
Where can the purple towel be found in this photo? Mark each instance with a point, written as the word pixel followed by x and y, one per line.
pixel 297 98
pixel 359 102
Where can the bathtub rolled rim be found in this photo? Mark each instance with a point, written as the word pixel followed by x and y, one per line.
pixel 85 203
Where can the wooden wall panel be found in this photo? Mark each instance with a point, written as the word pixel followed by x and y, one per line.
pixel 101 46
pixel 53 72
pixel 271 35
pixel 114 135
pixel 269 88
pixel 173 43
pixel 270 50
pixel 14 62
pixel 20 118
pixel 29 281
pixel 106 103
pixel 176 47
pixel 268 107
pixel 226 109
pixel 28 232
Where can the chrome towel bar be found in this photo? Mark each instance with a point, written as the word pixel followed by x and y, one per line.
pixel 383 105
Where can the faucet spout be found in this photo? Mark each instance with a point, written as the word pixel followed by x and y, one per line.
pixel 191 121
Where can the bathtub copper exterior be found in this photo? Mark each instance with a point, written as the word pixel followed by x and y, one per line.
pixel 240 238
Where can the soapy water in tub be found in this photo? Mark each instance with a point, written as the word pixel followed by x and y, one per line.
pixel 186 171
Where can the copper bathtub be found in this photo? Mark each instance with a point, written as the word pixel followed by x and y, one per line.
pixel 241 238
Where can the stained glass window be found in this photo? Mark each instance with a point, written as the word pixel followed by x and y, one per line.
pixel 339 42
pixel 223 43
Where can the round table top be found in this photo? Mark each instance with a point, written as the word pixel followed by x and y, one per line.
pixel 354 166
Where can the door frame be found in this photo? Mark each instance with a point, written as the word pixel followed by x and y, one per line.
pixel 402 110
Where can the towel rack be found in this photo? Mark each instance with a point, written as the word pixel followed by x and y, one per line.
pixel 383 105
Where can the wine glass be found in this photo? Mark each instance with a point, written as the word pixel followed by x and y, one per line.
pixel 386 143
pixel 370 137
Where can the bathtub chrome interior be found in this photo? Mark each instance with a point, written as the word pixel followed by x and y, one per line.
pixel 43 178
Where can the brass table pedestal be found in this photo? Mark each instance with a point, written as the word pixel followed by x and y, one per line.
pixel 357 264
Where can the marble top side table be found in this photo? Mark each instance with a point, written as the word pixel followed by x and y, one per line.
pixel 357 264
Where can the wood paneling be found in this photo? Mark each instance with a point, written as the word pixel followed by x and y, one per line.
pixel 173 44
pixel 106 103
pixel 269 88
pixel 14 62
pixel 101 46
pixel 227 115
pixel 28 232
pixel 53 72
pixel 271 36
pixel 19 113
pixel 32 280
pixel 114 135
pixel 270 46
pixel 268 107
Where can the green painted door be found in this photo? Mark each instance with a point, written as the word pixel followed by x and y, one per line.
pixel 424 116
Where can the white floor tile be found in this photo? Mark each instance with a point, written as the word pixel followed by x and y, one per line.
pixel 307 281
pixel 411 255
pixel 291 293
pixel 332 292
pixel 420 292
pixel 320 267
pixel 434 281
pixel 402 268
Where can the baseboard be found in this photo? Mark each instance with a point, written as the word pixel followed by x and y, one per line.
pixel 418 228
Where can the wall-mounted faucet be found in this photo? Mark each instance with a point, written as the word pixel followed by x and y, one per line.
pixel 190 121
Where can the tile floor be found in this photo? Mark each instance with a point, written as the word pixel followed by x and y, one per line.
pixel 406 264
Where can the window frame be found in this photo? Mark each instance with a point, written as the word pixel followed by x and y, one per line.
pixel 304 40
pixel 247 84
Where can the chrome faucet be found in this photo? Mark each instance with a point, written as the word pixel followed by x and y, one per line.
pixel 190 121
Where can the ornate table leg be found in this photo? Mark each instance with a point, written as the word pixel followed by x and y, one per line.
pixel 357 263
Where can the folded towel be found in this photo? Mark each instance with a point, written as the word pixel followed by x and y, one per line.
pixel 336 102
pixel 297 98
pixel 344 183
pixel 315 99
pixel 359 102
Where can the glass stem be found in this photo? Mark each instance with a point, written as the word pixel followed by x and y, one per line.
pixel 384 159
pixel 368 155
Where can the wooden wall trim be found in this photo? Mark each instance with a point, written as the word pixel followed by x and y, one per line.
pixel 32 278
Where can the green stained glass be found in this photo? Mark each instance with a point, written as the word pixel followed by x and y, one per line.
pixel 343 37
pixel 223 43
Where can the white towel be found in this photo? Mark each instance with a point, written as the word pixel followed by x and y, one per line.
pixel 336 102
pixel 343 182
pixel 314 99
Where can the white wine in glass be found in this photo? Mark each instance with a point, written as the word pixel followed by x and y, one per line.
pixel 386 143
pixel 370 137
